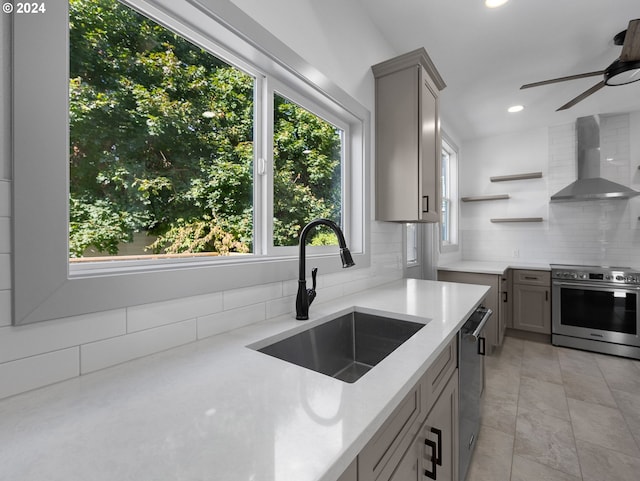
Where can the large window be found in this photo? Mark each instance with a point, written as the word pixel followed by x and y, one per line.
pixel 449 178
pixel 176 151
pixel 162 152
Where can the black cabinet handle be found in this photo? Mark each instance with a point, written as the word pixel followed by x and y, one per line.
pixel 431 474
pixel 438 432
pixel 425 203
pixel 504 296
pixel 482 348
pixel 546 295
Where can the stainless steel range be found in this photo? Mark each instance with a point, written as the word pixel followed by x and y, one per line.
pixel 596 309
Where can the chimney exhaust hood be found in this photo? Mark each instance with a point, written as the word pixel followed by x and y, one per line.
pixel 590 186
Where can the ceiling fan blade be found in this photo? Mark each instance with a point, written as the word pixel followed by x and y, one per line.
pixel 582 96
pixel 631 47
pixel 562 79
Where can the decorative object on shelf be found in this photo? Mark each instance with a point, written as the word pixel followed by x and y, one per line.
pixel 504 178
pixel 517 219
pixel 476 198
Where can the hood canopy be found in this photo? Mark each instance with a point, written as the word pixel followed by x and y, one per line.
pixel 590 186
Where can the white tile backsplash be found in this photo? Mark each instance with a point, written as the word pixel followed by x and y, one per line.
pixel 5 308
pixel 603 232
pixel 5 198
pixel 251 295
pixel 167 312
pixel 36 371
pixel 5 271
pixel 101 354
pixel 23 341
pixel 232 319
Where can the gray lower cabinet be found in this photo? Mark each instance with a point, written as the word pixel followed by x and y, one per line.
pixel 425 424
pixel 351 473
pixel 532 301
pixel 496 325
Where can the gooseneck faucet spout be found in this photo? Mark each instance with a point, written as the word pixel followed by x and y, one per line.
pixel 306 296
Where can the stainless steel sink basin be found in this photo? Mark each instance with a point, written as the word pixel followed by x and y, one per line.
pixel 345 348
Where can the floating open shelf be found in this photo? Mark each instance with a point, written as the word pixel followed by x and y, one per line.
pixel 517 219
pixel 476 198
pixel 504 178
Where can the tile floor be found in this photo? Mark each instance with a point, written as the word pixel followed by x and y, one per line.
pixel 558 414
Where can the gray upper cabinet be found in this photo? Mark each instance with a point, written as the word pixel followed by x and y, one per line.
pixel 408 145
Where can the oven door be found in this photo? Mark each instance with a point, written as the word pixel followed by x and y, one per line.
pixel 598 312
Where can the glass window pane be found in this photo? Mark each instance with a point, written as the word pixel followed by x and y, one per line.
pixel 307 177
pixel 161 140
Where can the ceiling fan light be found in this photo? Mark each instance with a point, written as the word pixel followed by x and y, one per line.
pixel 622 73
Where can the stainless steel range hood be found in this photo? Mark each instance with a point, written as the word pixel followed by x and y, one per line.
pixel 590 186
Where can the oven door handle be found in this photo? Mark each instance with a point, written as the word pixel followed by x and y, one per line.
pixel 603 286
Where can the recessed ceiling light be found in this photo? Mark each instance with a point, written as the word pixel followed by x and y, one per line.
pixel 515 108
pixel 494 3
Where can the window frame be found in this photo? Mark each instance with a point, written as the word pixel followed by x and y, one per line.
pixel 44 285
pixel 452 150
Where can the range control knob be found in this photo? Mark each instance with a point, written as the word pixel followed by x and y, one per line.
pixel 630 279
pixel 619 278
pixel 573 275
pixel 608 277
pixel 583 275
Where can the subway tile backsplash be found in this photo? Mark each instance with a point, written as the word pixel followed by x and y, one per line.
pixel 600 232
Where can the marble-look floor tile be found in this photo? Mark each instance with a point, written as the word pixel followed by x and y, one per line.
pixel 601 464
pixel 629 405
pixel 587 388
pixel 578 362
pixel 620 373
pixel 544 397
pixel 524 469
pixel 499 410
pixel 506 380
pixel 492 457
pixel 546 440
pixel 603 426
pixel 540 362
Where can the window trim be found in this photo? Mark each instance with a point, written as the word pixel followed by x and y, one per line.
pixel 453 244
pixel 43 286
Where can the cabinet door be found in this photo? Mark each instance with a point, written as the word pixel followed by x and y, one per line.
pixel 430 153
pixel 410 467
pixel 441 428
pixel 532 308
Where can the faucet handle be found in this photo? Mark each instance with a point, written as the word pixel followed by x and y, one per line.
pixel 311 293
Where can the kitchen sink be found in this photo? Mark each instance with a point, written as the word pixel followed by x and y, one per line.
pixel 346 347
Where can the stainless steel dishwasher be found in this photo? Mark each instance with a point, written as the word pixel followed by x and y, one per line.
pixel 471 353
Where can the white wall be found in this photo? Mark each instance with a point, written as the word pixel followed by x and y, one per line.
pixel 337 39
pixel 603 232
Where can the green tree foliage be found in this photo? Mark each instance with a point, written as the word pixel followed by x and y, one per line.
pixel 161 141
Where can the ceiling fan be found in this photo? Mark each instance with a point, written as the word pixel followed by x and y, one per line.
pixel 622 71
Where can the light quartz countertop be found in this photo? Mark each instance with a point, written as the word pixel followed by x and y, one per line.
pixel 491 267
pixel 219 410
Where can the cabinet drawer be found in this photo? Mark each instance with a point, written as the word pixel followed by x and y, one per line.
pixel 437 376
pixel 535 278
pixel 384 451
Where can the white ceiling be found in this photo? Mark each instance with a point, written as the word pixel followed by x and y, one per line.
pixel 485 55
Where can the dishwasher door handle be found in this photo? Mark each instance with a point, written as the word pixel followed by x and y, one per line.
pixel 485 318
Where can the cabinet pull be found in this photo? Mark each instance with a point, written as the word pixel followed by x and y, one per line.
pixel 546 295
pixel 482 349
pixel 438 432
pixel 531 278
pixel 425 203
pixel 504 296
pixel 431 474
